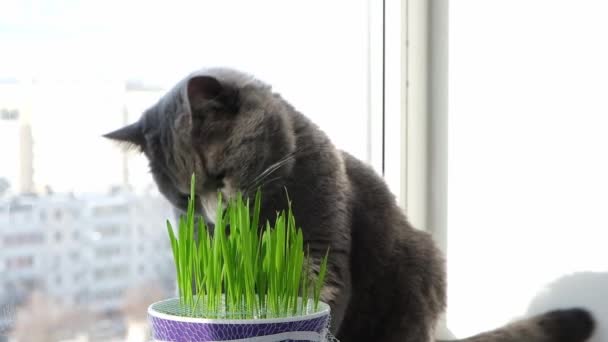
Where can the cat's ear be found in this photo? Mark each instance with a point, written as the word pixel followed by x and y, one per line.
pixel 202 89
pixel 132 135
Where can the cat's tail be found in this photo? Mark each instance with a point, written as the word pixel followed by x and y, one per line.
pixel 572 325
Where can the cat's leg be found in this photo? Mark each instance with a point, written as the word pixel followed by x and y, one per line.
pixel 337 290
pixel 408 330
pixel 420 296
pixel 370 325
pixel 404 311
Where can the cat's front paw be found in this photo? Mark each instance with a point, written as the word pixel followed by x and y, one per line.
pixel 329 294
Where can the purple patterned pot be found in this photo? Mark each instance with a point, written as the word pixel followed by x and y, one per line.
pixel 166 327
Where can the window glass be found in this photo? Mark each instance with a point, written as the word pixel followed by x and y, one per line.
pixel 527 185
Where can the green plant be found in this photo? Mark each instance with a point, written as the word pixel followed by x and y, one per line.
pixel 247 273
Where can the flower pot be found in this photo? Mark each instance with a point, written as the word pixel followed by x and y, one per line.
pixel 169 327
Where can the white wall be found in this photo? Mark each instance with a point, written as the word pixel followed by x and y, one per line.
pixel 528 160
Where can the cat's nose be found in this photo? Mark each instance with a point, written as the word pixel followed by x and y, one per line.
pixel 211 228
pixel 215 181
pixel 219 176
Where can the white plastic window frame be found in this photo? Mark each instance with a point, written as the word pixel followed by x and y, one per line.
pixel 407 106
pixel 408 110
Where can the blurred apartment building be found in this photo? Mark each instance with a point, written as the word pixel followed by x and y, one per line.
pixel 83 254
pixel 81 226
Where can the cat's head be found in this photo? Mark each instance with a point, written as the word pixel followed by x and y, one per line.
pixel 224 126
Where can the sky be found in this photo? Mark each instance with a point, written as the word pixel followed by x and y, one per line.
pixel 137 38
pixel 103 39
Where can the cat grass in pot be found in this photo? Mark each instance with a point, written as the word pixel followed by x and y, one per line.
pixel 245 285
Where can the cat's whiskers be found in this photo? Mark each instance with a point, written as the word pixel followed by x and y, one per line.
pixel 258 181
pixel 273 167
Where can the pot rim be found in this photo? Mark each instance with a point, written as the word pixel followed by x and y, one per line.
pixel 324 310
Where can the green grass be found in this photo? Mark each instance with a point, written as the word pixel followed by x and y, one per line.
pixel 252 272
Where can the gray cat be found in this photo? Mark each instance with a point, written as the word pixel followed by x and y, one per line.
pixel 386 280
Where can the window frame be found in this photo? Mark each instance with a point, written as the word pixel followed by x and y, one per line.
pixel 413 117
pixel 408 62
